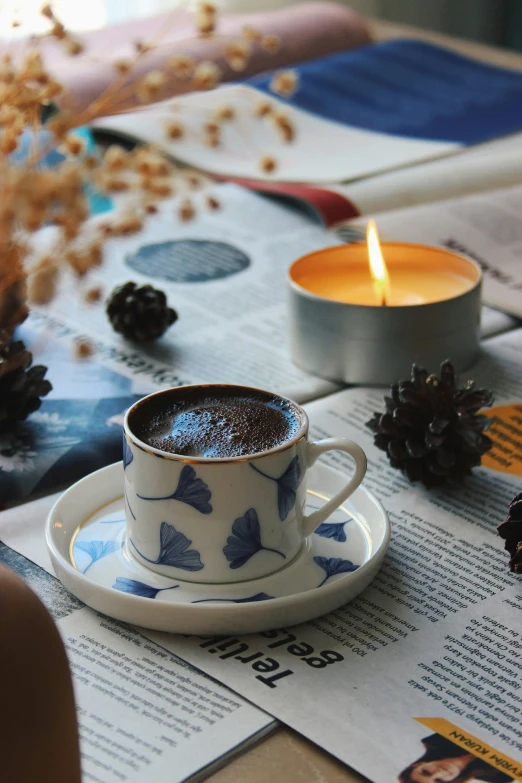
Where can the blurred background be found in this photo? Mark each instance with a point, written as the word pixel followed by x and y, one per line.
pixel 497 22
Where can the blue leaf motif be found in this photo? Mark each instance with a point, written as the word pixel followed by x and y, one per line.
pixel 96 550
pixel 245 540
pixel 334 565
pixel 129 505
pixel 190 490
pixel 128 456
pixel 332 530
pixel 250 599
pixel 138 588
pixel 286 486
pixel 174 550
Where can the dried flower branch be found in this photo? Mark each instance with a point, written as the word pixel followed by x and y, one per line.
pixel 32 196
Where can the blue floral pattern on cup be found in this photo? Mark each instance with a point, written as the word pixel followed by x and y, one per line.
pixel 334 565
pixel 128 456
pixel 333 530
pixel 96 550
pixel 133 586
pixel 286 486
pixel 245 540
pixel 190 490
pixel 174 550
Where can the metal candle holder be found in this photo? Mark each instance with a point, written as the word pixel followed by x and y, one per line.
pixel 365 344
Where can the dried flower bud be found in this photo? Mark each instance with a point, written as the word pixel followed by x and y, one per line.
pixel 93 295
pixel 212 140
pixel 206 75
pixel 182 65
pixel 8 142
pixel 237 54
pixel 151 209
pixel 149 88
pixel 128 223
pixel 32 67
pixel 263 108
pixel 270 43
pixel 90 162
pixel 150 163
pixel 186 210
pixel 284 126
pixel 73 46
pixel 33 218
pixel 205 19
pixel 74 145
pixel 175 130
pixel 285 83
pixel 213 203
pixel 114 158
pixel 42 282
pixel 193 181
pixel 123 67
pixel 58 31
pixel 115 185
pixel 158 187
pixel 250 33
pixel 268 164
pixel 224 114
pixel 60 125
pixel 52 89
pixel 47 11
pixel 83 349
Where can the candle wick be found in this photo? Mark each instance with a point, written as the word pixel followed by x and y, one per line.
pixel 383 301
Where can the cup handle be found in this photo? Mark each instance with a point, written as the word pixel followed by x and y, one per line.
pixel 314 450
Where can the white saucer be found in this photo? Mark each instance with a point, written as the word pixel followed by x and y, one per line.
pixel 85 535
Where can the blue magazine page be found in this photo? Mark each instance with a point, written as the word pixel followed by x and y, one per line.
pixel 354 114
pixel 77 429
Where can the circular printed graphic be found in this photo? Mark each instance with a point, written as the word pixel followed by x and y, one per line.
pixel 505 431
pixel 188 260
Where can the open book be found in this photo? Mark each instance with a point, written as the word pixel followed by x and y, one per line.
pixel 378 127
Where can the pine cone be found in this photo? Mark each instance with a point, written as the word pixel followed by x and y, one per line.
pixel 139 313
pixel 431 430
pixel 511 531
pixel 21 386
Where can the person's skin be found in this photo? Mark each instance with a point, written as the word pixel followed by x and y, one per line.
pixel 38 730
pixel 440 770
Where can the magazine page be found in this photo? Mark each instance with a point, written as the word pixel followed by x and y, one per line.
pixel 486 227
pixel 341 125
pixel 144 714
pixel 224 272
pixel 425 664
pixel 486 167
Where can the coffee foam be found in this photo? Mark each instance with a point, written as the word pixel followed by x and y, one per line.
pixel 221 426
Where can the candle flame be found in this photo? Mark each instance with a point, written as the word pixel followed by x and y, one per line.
pixel 379 273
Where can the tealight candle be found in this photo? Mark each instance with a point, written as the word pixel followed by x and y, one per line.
pixel 364 313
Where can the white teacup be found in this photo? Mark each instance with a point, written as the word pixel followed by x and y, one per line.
pixel 223 519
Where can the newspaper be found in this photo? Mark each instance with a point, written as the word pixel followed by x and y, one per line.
pixel 144 714
pixel 484 226
pixel 225 274
pixel 428 659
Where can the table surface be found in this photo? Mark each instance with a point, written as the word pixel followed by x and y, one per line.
pixel 285 755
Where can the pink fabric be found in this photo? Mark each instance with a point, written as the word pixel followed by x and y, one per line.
pixel 306 31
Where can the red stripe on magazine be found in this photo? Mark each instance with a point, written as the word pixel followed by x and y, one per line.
pixel 332 207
